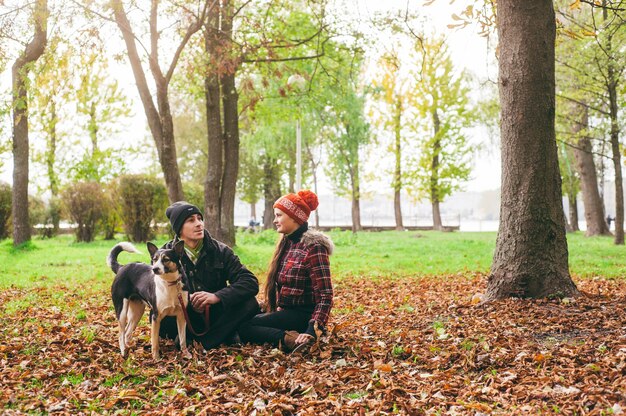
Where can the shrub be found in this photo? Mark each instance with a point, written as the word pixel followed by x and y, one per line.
pixel 53 215
pixel 36 213
pixel 111 219
pixel 84 203
pixel 142 201
pixel 45 215
pixel 194 194
pixel 6 198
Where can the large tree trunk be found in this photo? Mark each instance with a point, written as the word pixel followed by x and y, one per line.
pixel 215 136
pixel 231 133
pixel 397 175
pixel 612 83
pixel 531 253
pixel 271 190
pixel 434 175
pixel 223 139
pixel 231 156
pixel 592 201
pixel 159 120
pixel 36 47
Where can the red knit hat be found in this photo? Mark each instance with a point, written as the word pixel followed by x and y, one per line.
pixel 298 206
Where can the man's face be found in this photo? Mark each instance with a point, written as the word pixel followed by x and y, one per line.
pixel 192 229
pixel 284 223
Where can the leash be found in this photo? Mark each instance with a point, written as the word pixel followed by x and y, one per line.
pixel 206 317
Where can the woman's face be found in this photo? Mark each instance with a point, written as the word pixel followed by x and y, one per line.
pixel 284 223
pixel 192 229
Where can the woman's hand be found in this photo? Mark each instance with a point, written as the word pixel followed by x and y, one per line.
pixel 200 300
pixel 304 338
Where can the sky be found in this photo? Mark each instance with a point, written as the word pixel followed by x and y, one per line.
pixel 469 51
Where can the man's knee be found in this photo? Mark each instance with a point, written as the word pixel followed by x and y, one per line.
pixel 250 308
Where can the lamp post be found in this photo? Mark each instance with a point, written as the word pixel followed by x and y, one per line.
pixel 297 83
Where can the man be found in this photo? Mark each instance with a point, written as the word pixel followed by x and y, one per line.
pixel 214 277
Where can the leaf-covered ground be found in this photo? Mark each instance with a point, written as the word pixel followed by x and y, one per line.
pixel 410 346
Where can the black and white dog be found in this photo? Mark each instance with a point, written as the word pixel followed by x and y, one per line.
pixel 157 285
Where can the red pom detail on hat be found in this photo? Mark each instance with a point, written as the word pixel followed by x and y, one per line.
pixel 309 198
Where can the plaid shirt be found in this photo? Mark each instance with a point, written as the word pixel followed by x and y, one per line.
pixel 304 280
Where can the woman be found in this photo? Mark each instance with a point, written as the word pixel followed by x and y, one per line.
pixel 298 291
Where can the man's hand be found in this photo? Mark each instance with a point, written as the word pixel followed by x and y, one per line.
pixel 200 300
pixel 303 338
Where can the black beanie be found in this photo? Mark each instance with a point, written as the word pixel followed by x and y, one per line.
pixel 178 212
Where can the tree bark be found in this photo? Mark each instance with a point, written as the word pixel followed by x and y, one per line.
pixel 314 172
pixel 434 175
pixel 52 151
pixel 397 175
pixel 592 201
pixel 573 211
pixel 531 253
pixel 271 190
pixel 215 136
pixel 356 196
pixel 20 69
pixel 160 116
pixel 230 99
pixel 612 83
pixel 223 134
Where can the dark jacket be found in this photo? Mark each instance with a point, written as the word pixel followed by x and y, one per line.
pixel 304 275
pixel 219 271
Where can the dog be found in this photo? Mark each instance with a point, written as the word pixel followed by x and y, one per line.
pixel 157 285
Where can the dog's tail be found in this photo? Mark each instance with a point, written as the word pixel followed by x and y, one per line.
pixel 115 251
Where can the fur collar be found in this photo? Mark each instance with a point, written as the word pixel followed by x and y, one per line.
pixel 311 237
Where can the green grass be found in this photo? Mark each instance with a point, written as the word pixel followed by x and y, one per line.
pixel 61 262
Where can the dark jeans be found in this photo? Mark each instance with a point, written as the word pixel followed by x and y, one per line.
pixel 271 327
pixel 223 323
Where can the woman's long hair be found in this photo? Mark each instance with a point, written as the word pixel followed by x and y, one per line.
pixel 272 275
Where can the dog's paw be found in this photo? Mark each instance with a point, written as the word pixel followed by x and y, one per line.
pixel 186 355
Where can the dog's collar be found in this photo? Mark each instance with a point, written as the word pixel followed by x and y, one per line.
pixel 174 283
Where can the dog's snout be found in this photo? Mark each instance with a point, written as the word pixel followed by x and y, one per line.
pixel 156 270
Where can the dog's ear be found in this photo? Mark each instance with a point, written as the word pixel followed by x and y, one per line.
pixel 179 248
pixel 152 249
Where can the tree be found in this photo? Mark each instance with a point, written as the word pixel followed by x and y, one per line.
pixel 51 95
pixel 222 133
pixel 571 184
pixel 596 66
pixel 102 104
pixel 586 168
pixel 250 179
pixel 350 133
pixel 159 116
pixel 581 95
pixel 21 67
pixel 391 91
pixel 531 256
pixel 441 98
pixel 612 72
